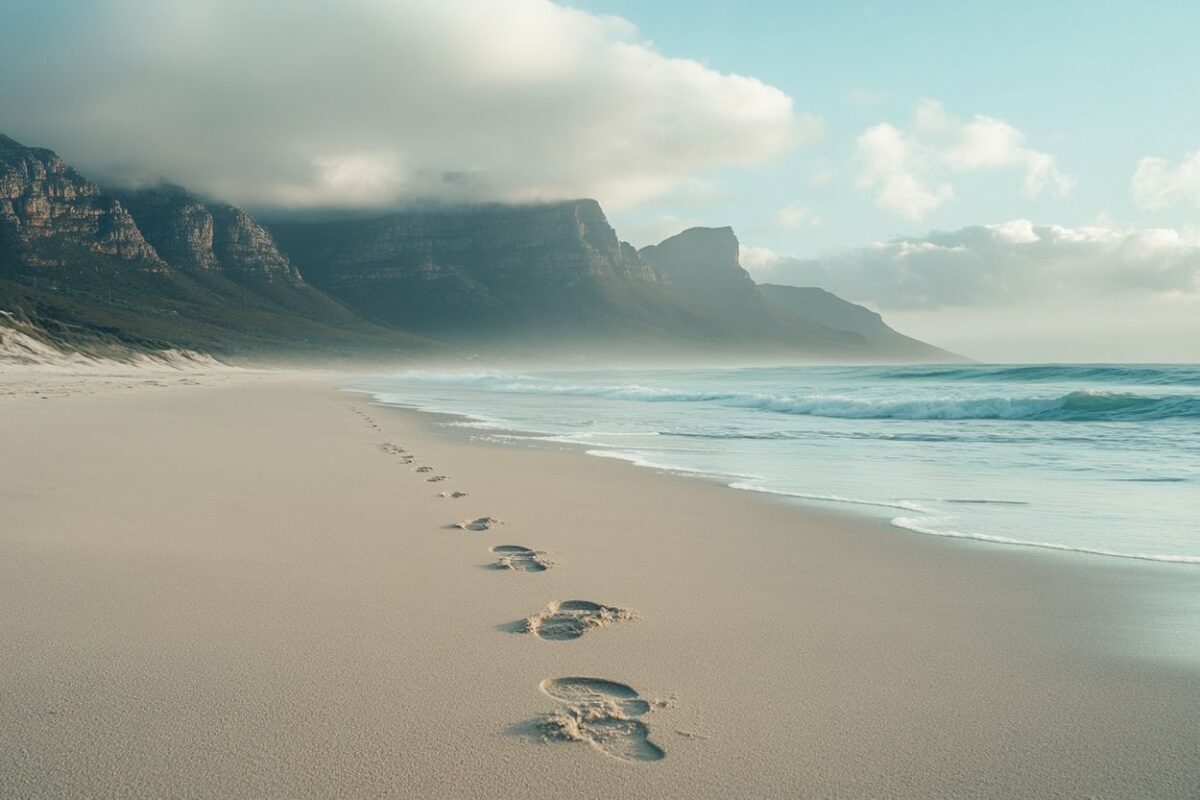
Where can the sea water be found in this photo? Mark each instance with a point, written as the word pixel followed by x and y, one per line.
pixel 1099 459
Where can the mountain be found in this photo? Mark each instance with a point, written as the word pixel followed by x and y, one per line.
pixel 703 264
pixel 547 275
pixel 50 216
pixel 159 268
pixel 554 276
pixel 832 311
pixel 193 235
pixel 155 269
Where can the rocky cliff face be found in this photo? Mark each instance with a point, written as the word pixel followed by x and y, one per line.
pixel 242 245
pixel 451 269
pixel 49 213
pixel 702 263
pixel 177 224
pixel 193 235
pixel 168 269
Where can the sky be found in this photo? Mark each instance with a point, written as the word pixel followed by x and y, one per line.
pixel 1014 181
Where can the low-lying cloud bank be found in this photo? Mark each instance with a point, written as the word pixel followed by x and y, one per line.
pixel 366 102
pixel 986 265
pixel 1020 290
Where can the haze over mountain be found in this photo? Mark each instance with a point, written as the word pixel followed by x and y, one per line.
pixel 160 267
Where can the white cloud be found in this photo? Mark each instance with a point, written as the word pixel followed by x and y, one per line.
pixel 989 265
pixel 367 101
pixel 760 261
pixel 797 216
pixel 910 171
pixel 1021 290
pixel 1158 184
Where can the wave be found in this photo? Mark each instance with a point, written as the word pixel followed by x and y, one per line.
pixel 1145 375
pixel 917 526
pixel 903 505
pixel 920 525
pixel 1165 479
pixel 1074 406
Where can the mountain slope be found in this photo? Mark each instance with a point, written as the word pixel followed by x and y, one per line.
pixel 50 214
pixel 702 264
pixel 832 311
pixel 194 235
pixel 552 275
pixel 75 261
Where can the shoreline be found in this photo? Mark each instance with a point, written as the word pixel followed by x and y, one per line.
pixel 857 509
pixel 844 516
pixel 235 590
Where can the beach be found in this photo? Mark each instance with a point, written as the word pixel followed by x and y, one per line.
pixel 234 584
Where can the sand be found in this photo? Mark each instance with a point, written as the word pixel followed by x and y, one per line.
pixel 239 585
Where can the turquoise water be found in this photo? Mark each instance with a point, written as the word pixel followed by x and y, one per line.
pixel 1100 459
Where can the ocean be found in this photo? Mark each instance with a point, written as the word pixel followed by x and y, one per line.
pixel 1103 460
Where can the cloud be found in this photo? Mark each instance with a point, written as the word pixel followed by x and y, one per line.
pixel 1158 184
pixel 797 216
pixel 1017 290
pixel 993 265
pixel 364 102
pixel 761 262
pixel 911 171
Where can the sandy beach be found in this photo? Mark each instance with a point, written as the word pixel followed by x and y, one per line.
pixel 244 585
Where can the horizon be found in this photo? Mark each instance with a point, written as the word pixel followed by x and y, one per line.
pixel 991 222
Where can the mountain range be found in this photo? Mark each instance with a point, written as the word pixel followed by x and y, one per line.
pixel 159 267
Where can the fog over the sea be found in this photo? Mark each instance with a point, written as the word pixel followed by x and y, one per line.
pixel 830 141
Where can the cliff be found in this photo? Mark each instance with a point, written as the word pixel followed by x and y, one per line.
pixel 191 234
pixel 509 271
pixel 155 269
pixel 703 265
pixel 50 215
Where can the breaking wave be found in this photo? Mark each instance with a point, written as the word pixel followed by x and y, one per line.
pixel 1090 406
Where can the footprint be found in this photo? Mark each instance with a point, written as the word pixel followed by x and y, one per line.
pixel 436 479
pixel 520 559
pixel 424 469
pixel 601 713
pixel 480 524
pixel 571 619
pixel 455 494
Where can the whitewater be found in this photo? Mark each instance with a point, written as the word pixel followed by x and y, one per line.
pixel 1102 460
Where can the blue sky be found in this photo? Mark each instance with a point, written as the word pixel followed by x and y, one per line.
pixel 1098 85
